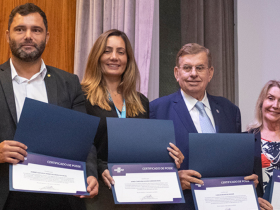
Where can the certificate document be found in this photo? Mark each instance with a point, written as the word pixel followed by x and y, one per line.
pixel 230 193
pixel 146 183
pixel 45 174
pixel 275 190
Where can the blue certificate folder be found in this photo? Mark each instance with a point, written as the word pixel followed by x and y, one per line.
pixel 221 154
pixel 139 140
pixel 270 186
pixel 133 143
pixel 221 158
pixel 55 131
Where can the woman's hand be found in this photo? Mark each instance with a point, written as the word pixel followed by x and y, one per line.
pixel 92 187
pixel 264 204
pixel 176 154
pixel 253 178
pixel 189 176
pixel 108 180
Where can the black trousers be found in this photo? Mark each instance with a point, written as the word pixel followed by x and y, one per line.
pixel 40 201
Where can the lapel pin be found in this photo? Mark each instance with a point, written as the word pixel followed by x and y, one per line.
pixel 217 111
pixel 49 75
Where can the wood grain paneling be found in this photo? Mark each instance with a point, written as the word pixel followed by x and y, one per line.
pixel 61 15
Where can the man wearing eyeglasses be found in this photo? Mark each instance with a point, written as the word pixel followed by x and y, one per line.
pixel 193 110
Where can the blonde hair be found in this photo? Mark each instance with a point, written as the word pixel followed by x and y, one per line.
pixel 94 85
pixel 256 126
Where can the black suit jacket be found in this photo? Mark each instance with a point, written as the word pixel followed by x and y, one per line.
pixel 258 162
pixel 63 89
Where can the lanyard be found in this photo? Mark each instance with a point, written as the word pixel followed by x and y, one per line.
pixel 120 115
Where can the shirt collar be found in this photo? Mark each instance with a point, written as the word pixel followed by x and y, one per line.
pixel 190 101
pixel 42 72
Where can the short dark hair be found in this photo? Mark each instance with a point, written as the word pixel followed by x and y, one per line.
pixel 26 9
pixel 193 49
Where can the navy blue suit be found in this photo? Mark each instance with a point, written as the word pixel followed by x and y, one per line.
pixel 172 107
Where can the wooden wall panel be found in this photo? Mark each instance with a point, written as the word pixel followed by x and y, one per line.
pixel 61 15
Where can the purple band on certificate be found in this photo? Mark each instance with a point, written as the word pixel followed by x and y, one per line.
pixel 233 193
pixel 45 174
pixel 53 161
pixel 221 182
pixel 121 170
pixel 276 175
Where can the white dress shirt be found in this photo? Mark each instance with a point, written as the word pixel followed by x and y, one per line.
pixel 190 103
pixel 34 88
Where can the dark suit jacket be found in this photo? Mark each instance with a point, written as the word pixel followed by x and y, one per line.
pixel 258 163
pixel 63 89
pixel 172 107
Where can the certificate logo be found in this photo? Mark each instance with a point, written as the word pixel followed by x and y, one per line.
pixel 119 170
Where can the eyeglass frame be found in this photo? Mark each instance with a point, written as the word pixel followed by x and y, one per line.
pixel 197 69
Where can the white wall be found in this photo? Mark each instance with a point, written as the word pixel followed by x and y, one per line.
pixel 258 45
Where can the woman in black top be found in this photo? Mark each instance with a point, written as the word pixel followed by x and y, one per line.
pixel 110 84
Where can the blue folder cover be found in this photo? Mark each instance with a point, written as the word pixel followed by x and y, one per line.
pixel 56 131
pixel 221 154
pixel 270 187
pixel 133 140
pixel 134 144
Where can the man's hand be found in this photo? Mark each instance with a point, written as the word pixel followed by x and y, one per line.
pixel 264 204
pixel 108 180
pixel 92 187
pixel 254 178
pixel 176 154
pixel 188 176
pixel 12 151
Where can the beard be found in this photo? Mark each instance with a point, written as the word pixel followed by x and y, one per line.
pixel 19 52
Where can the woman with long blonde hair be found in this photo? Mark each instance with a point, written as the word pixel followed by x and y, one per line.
pixel 266 128
pixel 110 83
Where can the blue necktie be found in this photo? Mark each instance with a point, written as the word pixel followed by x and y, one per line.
pixel 205 122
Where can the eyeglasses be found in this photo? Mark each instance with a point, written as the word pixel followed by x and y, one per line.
pixel 198 69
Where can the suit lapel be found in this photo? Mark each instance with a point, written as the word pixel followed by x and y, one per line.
pixel 51 86
pixel 216 112
pixel 7 85
pixel 183 113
